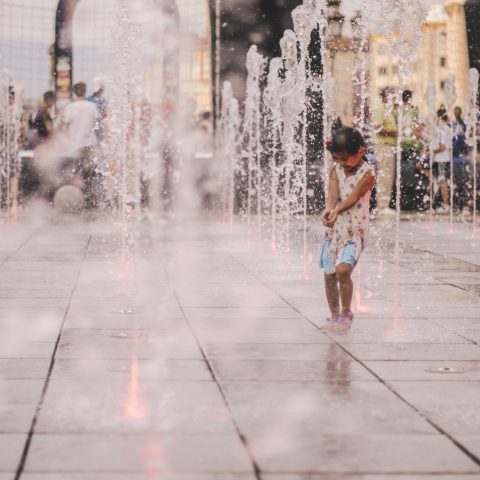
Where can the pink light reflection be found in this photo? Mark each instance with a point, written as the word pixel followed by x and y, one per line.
pixel 273 246
pixel 155 461
pixel 397 319
pixel 133 407
pixel 359 305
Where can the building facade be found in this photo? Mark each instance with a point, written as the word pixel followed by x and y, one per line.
pixel 195 72
pixel 442 51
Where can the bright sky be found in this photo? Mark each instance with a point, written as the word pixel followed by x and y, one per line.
pixel 27 31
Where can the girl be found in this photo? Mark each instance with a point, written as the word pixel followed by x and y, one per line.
pixel 346 217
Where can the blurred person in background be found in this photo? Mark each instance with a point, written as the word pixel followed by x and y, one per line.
pixel 43 119
pixel 411 144
pixel 386 130
pixel 462 171
pixel 102 106
pixel 79 120
pixel 441 156
pixel 412 185
pixel 204 147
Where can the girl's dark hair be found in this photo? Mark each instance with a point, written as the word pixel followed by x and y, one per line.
pixel 346 140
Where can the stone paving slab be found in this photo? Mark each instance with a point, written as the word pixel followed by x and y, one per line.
pixel 350 453
pixel 416 476
pixel 203 359
pixel 426 370
pixel 133 453
pixel 16 417
pixel 123 344
pixel 20 391
pixel 413 351
pixel 471 442
pixel 472 335
pixel 315 410
pixel 305 335
pixel 275 351
pixel 146 369
pixel 23 368
pixel 290 371
pixel 138 476
pixel 246 313
pixel 454 406
pixel 123 405
pixel 26 349
pixel 11 447
pixel 399 334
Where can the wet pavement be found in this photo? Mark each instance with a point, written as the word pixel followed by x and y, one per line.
pixel 193 353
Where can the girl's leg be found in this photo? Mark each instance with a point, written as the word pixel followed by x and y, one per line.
pixel 331 291
pixel 343 273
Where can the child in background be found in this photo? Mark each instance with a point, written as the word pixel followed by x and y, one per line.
pixel 442 151
pixel 346 217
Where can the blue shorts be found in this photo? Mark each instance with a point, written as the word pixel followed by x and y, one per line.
pixel 348 253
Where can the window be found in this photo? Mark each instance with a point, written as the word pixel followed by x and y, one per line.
pixel 443 62
pixel 443 39
pixel 442 84
pixel 382 70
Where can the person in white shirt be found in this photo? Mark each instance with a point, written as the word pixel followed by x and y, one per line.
pixel 442 149
pixel 79 120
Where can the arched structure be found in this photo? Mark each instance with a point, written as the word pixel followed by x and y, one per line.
pixel 63 50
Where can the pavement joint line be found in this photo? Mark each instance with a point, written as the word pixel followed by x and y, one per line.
pixel 6 259
pixel 461 447
pixel 240 434
pixel 31 432
pixel 439 429
pixel 475 342
pixel 457 286
pixel 430 252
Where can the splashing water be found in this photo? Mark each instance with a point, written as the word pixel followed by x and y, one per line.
pixel 10 127
pixel 252 132
pixel 403 47
pixel 472 117
pixel 274 124
pixel 450 95
pixel 230 148
pixel 430 96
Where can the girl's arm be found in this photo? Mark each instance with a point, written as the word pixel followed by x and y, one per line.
pixel 333 196
pixel 365 184
pixel 333 190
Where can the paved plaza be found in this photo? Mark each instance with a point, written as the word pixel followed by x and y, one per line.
pixel 192 352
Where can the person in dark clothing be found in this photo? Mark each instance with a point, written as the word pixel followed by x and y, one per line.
pixel 43 123
pixel 462 167
pixel 102 106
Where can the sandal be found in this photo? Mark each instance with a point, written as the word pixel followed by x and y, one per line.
pixel 329 324
pixel 344 322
